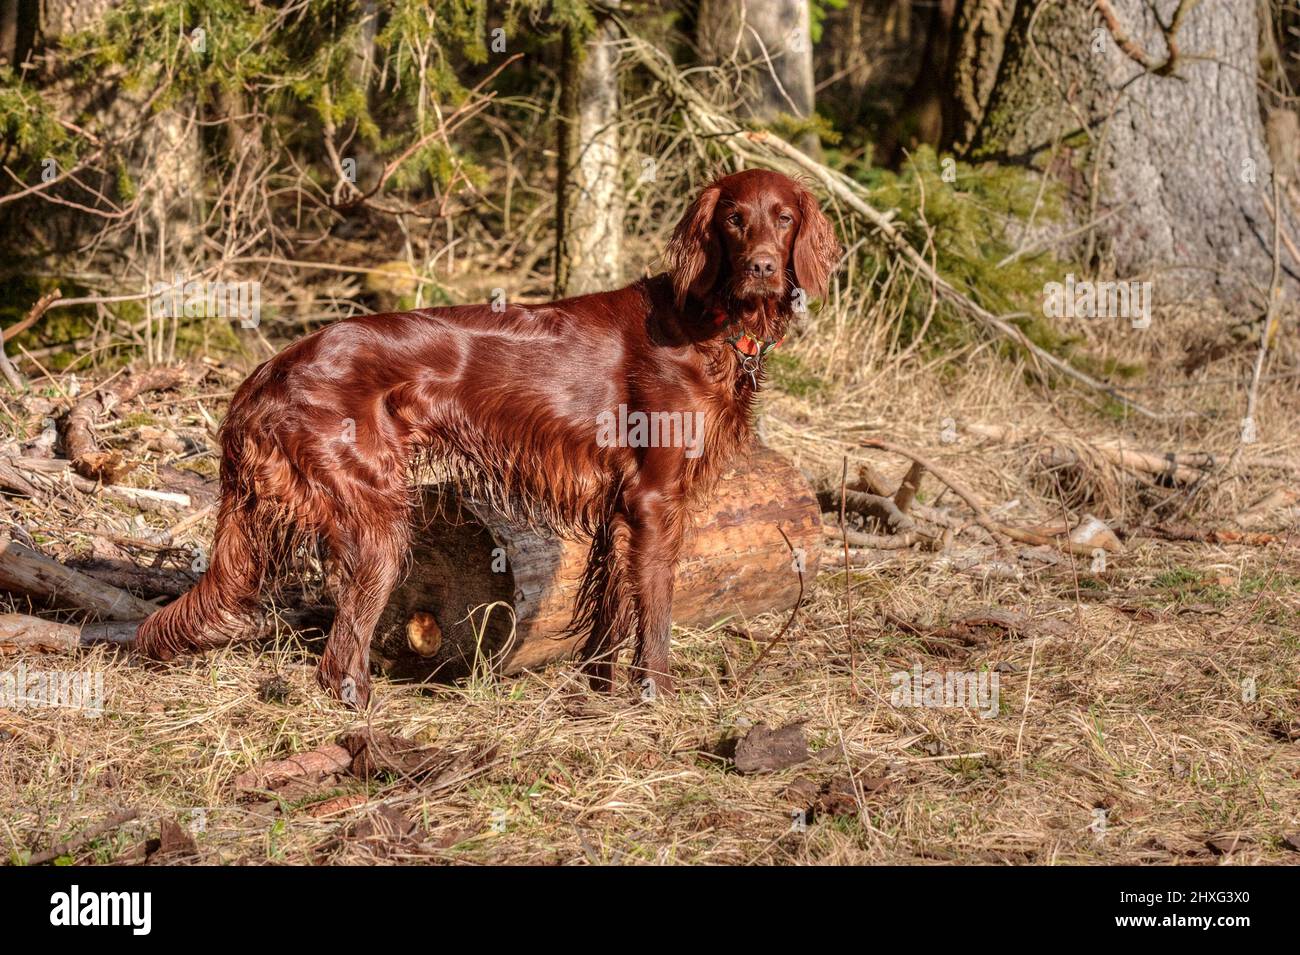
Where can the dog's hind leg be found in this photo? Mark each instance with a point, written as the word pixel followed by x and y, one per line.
pixel 657 528
pixel 367 555
pixel 222 607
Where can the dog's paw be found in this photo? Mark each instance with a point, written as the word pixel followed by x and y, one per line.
pixel 655 687
pixel 347 688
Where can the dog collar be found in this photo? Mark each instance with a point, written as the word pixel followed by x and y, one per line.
pixel 752 350
pixel 751 346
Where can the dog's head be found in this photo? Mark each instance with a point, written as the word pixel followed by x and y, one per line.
pixel 753 238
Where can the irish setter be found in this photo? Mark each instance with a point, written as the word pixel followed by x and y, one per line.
pixel 323 442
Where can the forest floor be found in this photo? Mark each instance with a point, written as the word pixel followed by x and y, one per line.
pixel 1146 710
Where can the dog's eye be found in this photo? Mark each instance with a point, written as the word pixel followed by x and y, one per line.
pixel 734 219
pixel 786 220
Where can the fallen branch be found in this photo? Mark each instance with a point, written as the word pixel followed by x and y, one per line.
pixel 11 374
pixel 972 501
pixel 79 425
pixel 48 473
pixel 999 531
pixel 1062 450
pixel 875 541
pixel 880 511
pixel 24 633
pixel 906 492
pixel 1278 499
pixel 971 629
pixel 1207 535
pixel 12 479
pixel 71 845
pixel 26 571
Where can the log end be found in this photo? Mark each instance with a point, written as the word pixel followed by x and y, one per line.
pixel 423 633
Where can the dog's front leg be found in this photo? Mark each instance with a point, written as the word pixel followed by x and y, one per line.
pixel 656 524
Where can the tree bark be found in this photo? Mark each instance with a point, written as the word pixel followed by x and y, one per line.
pixel 974 57
pixel 24 571
pixel 589 196
pixel 1176 143
pixel 771 39
pixel 164 159
pixel 921 118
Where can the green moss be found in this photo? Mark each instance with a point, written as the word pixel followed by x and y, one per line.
pixel 30 130
pixel 138 419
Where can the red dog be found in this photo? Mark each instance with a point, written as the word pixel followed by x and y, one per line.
pixel 322 441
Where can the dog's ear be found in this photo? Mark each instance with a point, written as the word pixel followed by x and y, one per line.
pixel 816 250
pixel 694 252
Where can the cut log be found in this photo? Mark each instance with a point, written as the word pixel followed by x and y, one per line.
pixel 482 589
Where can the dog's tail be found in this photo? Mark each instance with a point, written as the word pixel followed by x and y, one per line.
pixel 252 537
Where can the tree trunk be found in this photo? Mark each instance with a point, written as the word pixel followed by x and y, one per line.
pixel 468 558
pixel 589 196
pixel 771 40
pixel 1176 141
pixel 974 57
pixel 17 31
pixel 920 120
pixel 163 160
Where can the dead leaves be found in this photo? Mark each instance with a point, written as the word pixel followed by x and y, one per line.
pixel 837 796
pixel 366 754
pixel 1227 843
pixel 765 750
pixel 316 781
pixel 433 767
pixel 174 843
pixel 318 763
pixel 979 627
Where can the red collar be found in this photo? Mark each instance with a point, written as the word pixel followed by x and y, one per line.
pixel 746 343
pixel 751 346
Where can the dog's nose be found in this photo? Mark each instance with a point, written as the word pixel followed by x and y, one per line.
pixel 761 266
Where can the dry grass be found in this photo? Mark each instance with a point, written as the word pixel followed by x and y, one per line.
pixel 1136 705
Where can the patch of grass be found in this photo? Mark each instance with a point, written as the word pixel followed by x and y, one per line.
pixel 1178 577
pixel 788 373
